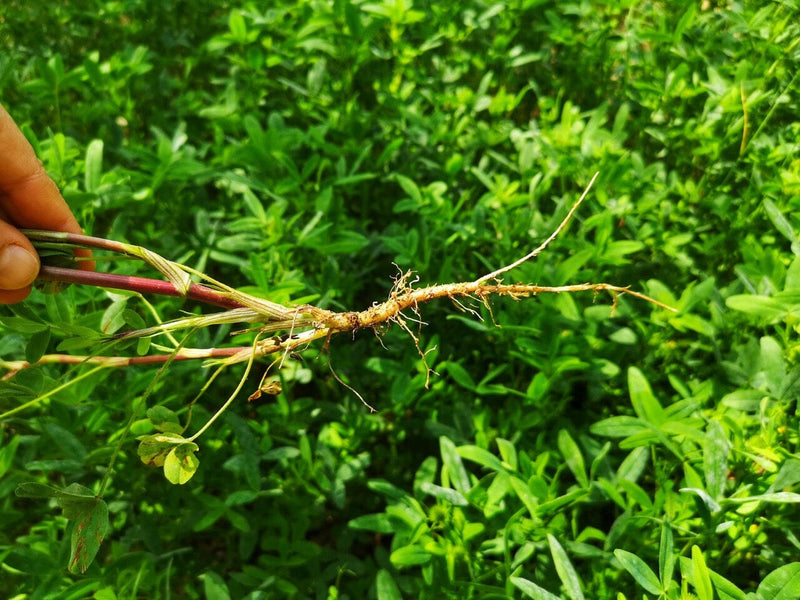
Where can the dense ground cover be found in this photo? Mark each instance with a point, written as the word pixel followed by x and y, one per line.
pixel 300 151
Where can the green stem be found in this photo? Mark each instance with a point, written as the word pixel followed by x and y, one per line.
pixel 233 395
pixel 55 390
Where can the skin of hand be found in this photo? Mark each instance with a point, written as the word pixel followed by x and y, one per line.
pixel 28 198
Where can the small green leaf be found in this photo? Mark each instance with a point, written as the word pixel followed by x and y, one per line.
pixel 379 522
pixel 483 457
pixel 566 572
pixel 181 464
pixel 715 459
pixel 666 554
pixel 639 570
pixel 507 452
pixel 215 587
pixel 409 556
pixel 7 453
pixel 531 590
pixel 94 165
pixel 442 493
pixel 37 345
pixel 460 375
pixel 573 457
pixel 32 489
pixel 410 188
pixel 76 501
pixel 455 468
pixel 526 496
pixel 237 25
pixel 620 426
pixel 781 584
pixel 164 419
pixel 700 577
pixel 153 449
pixel 644 402
pixel 87 535
pixel 386 587
pixel 780 222
pixel 767 308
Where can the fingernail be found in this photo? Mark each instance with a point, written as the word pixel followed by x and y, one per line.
pixel 18 267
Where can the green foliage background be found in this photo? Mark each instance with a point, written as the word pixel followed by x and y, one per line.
pixel 297 150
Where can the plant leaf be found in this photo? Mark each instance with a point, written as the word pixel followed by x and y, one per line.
pixel 531 590
pixel 700 577
pixel 781 584
pixel 566 572
pixel 87 535
pixel 181 464
pixel 639 570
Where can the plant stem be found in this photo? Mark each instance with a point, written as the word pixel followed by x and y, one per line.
pixel 49 393
pixel 143 285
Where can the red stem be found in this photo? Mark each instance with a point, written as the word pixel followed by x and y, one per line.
pixel 144 285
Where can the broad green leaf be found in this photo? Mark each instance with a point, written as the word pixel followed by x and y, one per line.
pixel 22 325
pixel 87 535
pixel 460 375
pixel 700 576
pixel 410 188
pixel 153 449
pixel 94 165
pixel 409 556
pixel 113 319
pixel 7 452
pixel 483 457
pixel 770 309
pixel 237 26
pixel 725 589
pixel 523 492
pixel 386 587
pixel 771 356
pixel 66 441
pixel 37 345
pixel 634 464
pixel 780 222
pixel 644 402
pixel 215 587
pixel 619 426
pixel 456 472
pixel 715 459
pixel 379 523
pixel 573 457
pixel 181 464
pixel 33 489
pixel 76 500
pixel 164 419
pixel 566 572
pixel 531 590
pixel 639 570
pixel 781 584
pixel 710 503
pixel 508 452
pixel 442 493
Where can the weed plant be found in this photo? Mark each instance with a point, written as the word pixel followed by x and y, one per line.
pixel 306 153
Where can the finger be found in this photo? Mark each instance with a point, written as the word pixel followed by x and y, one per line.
pixel 19 264
pixel 28 197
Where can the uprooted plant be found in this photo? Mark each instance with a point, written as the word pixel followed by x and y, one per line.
pixel 280 330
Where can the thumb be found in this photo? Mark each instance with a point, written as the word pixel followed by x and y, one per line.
pixel 19 264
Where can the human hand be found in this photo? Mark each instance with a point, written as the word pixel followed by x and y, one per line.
pixel 28 198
